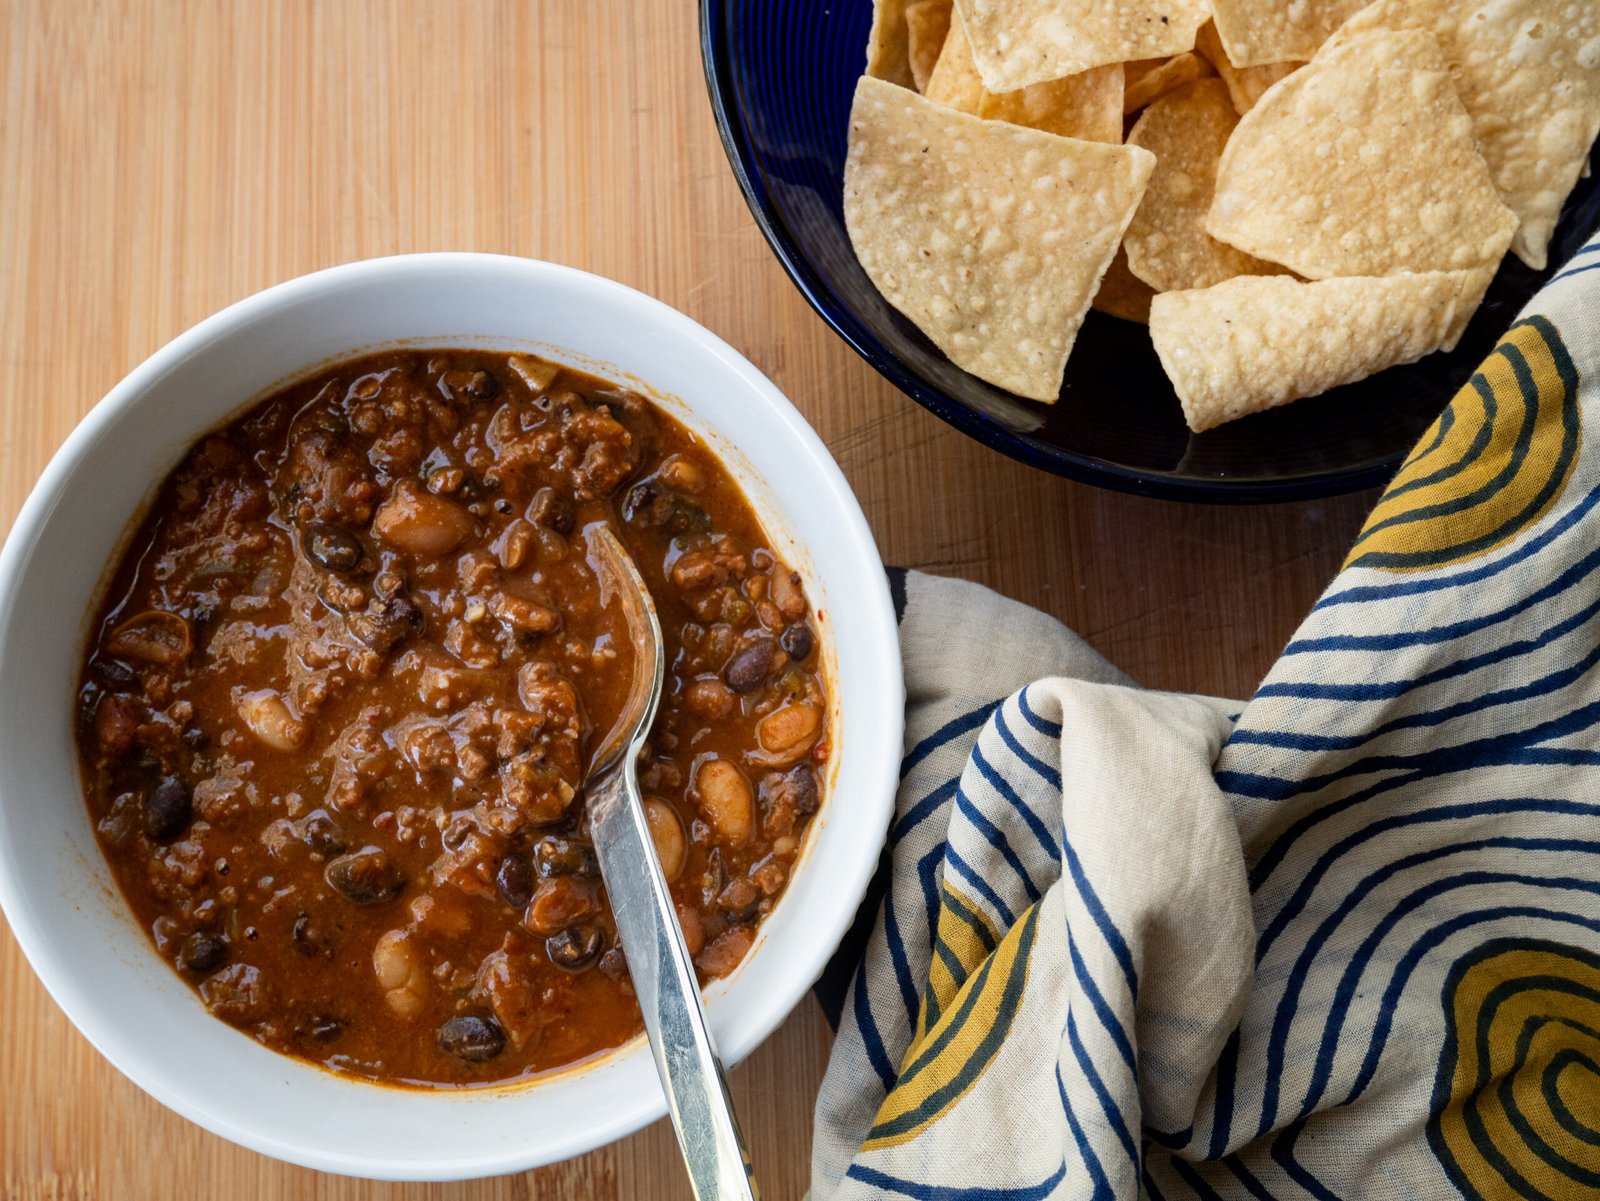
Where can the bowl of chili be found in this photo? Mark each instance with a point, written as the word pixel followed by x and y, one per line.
pixel 301 608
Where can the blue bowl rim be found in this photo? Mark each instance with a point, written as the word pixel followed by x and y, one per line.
pixel 1056 459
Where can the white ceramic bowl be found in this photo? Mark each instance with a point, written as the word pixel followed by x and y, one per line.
pixel 59 897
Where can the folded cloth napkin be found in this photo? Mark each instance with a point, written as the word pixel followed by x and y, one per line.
pixel 1342 941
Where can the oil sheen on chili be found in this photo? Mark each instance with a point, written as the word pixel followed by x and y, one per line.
pixel 337 710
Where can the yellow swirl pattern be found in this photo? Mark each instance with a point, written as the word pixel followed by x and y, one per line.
pixel 950 1057
pixel 1517 1100
pixel 1492 464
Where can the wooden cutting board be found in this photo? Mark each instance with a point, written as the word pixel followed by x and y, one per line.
pixel 159 160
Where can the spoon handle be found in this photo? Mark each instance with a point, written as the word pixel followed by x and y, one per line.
pixel 669 995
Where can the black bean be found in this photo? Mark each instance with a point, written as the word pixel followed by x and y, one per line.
pixel 321 833
pixel 332 547
pixel 550 510
pixel 167 809
pixel 514 878
pixel 797 641
pixel 557 856
pixel 801 782
pixel 614 964
pixel 575 948
pixel 748 669
pixel 310 939
pixel 116 677
pixel 472 1039
pixel 203 953
pixel 366 877
pixel 646 504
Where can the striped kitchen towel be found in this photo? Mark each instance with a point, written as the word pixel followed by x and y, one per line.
pixel 1342 941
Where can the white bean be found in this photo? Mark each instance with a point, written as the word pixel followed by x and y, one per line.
pixel 401 973
pixel 267 716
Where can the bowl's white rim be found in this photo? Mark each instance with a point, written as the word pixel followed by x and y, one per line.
pixel 872 604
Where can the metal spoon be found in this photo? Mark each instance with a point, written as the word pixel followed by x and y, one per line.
pixel 658 961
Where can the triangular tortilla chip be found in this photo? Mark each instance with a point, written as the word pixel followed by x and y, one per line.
pixel 1167 243
pixel 955 80
pixel 1528 73
pixel 989 237
pixel 1018 42
pixel 1086 105
pixel 1275 31
pixel 1122 293
pixel 1361 163
pixel 1152 78
pixel 1246 85
pixel 1255 342
pixel 927 26
pixel 888 55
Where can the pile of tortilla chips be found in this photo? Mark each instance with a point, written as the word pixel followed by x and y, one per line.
pixel 1294 194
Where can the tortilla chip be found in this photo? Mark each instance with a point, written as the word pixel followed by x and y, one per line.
pixel 1086 105
pixel 927 26
pixel 1252 343
pixel 1528 73
pixel 1167 243
pixel 1246 85
pixel 1257 32
pixel 1018 42
pixel 1361 163
pixel 989 237
pixel 955 80
pixel 1122 293
pixel 888 56
pixel 1153 78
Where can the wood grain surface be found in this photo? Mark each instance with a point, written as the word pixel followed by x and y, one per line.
pixel 159 160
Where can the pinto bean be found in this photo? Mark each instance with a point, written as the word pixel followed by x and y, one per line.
pixel 401 973
pixel 419 523
pixel 725 799
pixel 786 594
pixel 667 833
pixel 786 734
pixel 266 715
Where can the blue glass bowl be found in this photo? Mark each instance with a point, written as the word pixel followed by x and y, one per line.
pixel 782 74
